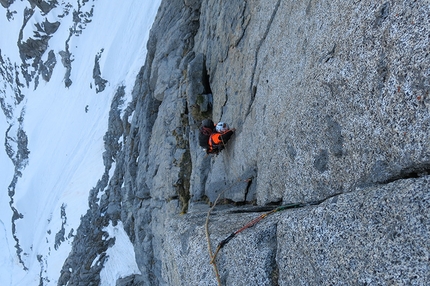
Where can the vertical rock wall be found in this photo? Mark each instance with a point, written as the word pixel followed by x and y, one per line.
pixel 326 96
pixel 331 104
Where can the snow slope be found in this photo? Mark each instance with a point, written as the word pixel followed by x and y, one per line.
pixel 65 128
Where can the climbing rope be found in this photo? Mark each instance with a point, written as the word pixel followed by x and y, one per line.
pixel 212 255
pixel 254 222
pixel 209 242
pixel 221 244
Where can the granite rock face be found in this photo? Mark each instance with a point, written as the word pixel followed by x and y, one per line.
pixel 331 104
pixel 373 236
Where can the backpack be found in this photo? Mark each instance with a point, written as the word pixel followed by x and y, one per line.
pixel 205 132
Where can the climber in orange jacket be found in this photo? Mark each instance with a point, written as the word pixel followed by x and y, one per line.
pixel 220 137
pixel 214 137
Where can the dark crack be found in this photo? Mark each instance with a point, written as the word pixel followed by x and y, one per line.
pixel 268 208
pixel 274 274
pixel 184 163
pixel 382 15
pixel 257 51
pixel 224 104
pixel 408 173
pixel 244 24
pixel 383 172
pixel 248 186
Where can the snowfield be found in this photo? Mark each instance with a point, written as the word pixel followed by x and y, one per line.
pixel 65 128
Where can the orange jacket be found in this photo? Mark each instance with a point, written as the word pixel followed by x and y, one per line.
pixel 217 140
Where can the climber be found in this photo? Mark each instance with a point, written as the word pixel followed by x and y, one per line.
pixel 213 138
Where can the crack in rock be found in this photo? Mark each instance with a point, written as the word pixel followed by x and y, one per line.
pixel 253 88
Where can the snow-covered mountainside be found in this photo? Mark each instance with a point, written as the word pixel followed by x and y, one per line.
pixel 62 63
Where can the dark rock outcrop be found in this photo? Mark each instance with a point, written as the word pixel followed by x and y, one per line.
pixel 44 6
pixel 6 3
pixel 99 82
